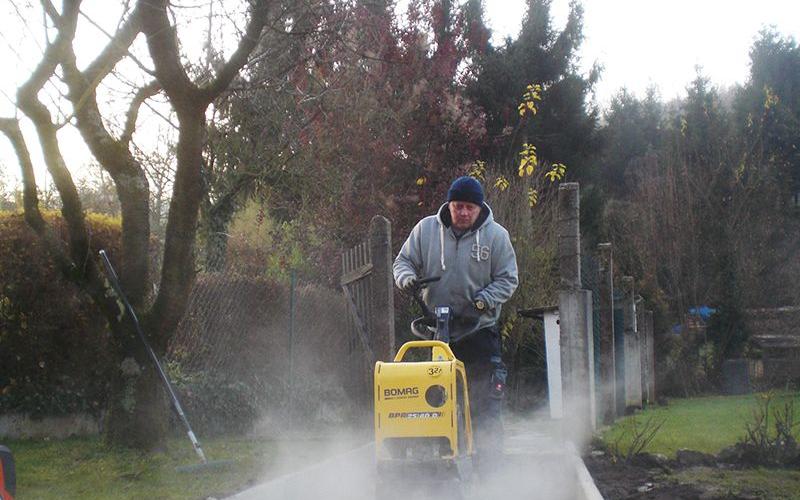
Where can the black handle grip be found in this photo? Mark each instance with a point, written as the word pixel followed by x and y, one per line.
pixel 425 281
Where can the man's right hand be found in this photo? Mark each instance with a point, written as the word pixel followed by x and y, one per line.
pixel 408 283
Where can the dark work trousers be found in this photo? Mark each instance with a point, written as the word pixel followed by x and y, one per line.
pixel 486 377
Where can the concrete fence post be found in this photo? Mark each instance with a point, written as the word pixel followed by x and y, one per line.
pixel 606 383
pixel 382 311
pixel 650 380
pixel 569 236
pixel 575 319
pixel 641 327
pixel 633 363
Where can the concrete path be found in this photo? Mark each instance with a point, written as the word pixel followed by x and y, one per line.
pixel 536 466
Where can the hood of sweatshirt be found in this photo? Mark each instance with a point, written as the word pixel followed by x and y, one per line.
pixel 445 222
pixel 477 264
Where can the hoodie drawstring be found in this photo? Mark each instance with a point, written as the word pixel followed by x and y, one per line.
pixel 441 244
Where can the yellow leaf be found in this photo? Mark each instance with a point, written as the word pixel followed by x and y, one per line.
pixel 501 183
pixel 421 181
pixel 533 197
pixel 478 170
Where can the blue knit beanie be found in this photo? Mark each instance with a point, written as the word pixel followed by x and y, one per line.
pixel 466 189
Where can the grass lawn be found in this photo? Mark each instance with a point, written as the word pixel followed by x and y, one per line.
pixel 760 483
pixel 706 424
pixel 710 424
pixel 85 468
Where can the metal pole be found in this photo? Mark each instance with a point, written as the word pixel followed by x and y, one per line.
pixel 176 404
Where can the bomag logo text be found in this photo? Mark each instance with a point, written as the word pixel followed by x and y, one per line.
pixel 401 392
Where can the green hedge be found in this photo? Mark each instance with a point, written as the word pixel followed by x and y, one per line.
pixel 54 354
pixel 216 404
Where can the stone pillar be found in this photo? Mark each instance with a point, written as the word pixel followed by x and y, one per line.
pixel 633 363
pixel 606 383
pixel 641 327
pixel 619 354
pixel 569 236
pixel 382 288
pixel 574 305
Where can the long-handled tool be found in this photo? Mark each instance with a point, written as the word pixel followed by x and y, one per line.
pixel 114 280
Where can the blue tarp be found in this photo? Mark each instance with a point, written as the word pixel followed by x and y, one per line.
pixel 703 312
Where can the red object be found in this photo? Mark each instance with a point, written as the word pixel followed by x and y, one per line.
pixel 4 494
pixel 7 474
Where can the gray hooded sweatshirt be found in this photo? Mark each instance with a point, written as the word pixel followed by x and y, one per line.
pixel 481 264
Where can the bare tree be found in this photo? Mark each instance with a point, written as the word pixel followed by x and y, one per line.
pixel 139 421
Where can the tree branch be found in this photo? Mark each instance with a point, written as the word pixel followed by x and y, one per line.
pixel 142 94
pixel 161 115
pixel 248 42
pixel 30 198
pixel 163 42
pixel 115 155
pixel 51 12
pixel 32 214
pixel 79 265
pixel 50 59
pixel 29 103
pixel 116 49
pixel 128 53
pixel 190 104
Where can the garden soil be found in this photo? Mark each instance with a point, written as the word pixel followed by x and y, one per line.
pixel 623 481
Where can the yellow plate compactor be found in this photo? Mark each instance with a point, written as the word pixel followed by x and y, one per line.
pixel 423 431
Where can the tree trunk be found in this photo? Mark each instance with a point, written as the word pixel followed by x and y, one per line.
pixel 138 411
pixel 214 227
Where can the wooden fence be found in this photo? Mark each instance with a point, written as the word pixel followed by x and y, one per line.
pixel 367 285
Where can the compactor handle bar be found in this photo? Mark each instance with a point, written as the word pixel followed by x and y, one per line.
pixel 420 344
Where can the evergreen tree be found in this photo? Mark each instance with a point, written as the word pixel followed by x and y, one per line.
pixel 633 130
pixel 770 110
pixel 564 128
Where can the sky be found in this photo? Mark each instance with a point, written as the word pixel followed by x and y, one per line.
pixel 639 43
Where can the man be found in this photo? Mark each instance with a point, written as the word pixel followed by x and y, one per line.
pixel 473 256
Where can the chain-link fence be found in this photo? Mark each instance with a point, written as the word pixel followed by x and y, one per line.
pixel 251 349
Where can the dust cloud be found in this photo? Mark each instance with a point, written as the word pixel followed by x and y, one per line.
pixel 326 452
pixel 539 463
